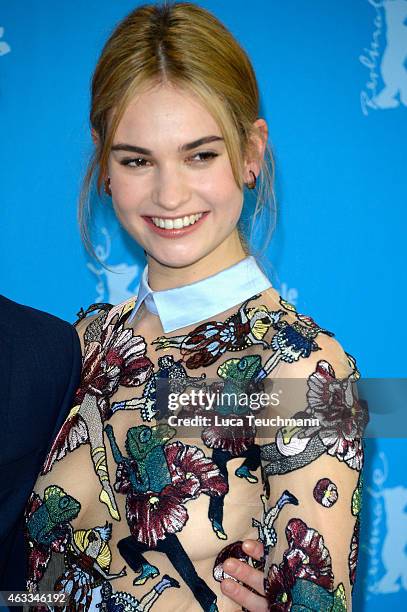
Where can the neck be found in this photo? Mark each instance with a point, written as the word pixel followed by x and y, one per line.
pixel 161 277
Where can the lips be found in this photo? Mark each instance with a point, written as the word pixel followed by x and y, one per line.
pixel 175 233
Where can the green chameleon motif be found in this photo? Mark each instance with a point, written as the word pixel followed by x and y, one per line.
pixel 310 597
pixel 145 445
pixel 47 522
pixel 238 373
pixel 147 469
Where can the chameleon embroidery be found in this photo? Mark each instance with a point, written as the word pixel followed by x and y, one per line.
pixel 158 478
pixel 47 529
pixel 47 521
pixel 87 555
pixel 236 378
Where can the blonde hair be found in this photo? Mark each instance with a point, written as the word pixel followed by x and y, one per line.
pixel 183 44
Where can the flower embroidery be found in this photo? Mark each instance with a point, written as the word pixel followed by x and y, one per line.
pixel 158 478
pixel 306 568
pixel 118 359
pixel 342 417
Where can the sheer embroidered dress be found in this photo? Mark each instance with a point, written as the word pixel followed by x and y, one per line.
pixel 135 509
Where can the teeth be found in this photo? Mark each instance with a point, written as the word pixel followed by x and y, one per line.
pixel 176 223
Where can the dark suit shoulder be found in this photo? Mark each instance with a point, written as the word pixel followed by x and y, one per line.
pixel 40 357
pixel 18 320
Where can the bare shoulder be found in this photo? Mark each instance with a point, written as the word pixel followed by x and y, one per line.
pixel 97 317
pixel 299 344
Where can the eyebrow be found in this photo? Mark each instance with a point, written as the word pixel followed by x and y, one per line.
pixel 185 147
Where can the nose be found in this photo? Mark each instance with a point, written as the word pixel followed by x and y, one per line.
pixel 170 189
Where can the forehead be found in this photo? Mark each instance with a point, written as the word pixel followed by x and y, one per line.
pixel 165 112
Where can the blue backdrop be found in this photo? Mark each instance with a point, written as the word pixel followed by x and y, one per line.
pixel 333 78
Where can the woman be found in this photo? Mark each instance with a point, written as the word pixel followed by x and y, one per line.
pixel 167 461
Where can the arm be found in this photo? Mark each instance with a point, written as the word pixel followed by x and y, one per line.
pixel 311 551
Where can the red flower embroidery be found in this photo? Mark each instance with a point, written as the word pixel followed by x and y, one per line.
pixel 307 557
pixel 342 417
pixel 236 439
pixel 118 359
pixel 151 515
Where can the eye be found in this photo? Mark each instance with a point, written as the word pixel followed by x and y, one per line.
pixel 206 155
pixel 242 364
pixel 145 435
pixel 133 162
pixel 64 502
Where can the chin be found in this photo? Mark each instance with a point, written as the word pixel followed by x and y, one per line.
pixel 178 258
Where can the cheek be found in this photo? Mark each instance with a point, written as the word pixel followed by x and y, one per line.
pixel 126 199
pixel 224 197
pixel 228 206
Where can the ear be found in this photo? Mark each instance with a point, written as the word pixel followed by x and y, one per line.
pixel 258 147
pixel 95 137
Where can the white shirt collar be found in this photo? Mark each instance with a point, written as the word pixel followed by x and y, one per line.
pixel 182 306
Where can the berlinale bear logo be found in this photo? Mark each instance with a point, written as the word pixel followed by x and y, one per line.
pixel 386 57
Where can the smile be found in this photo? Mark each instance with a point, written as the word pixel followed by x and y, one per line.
pixel 176 227
pixel 176 223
